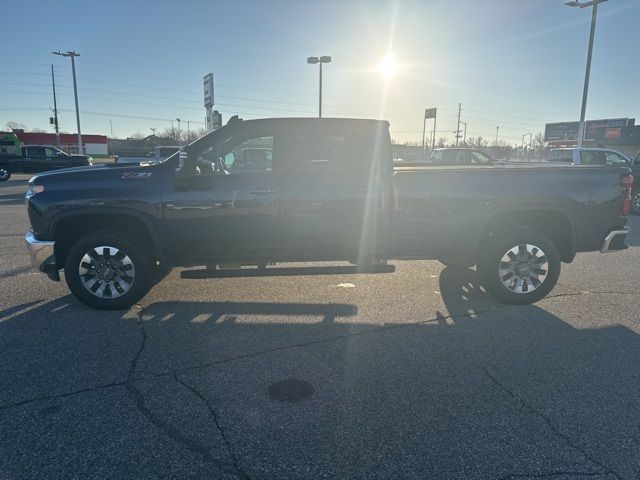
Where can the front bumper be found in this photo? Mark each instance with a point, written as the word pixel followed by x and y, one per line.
pixel 615 240
pixel 42 255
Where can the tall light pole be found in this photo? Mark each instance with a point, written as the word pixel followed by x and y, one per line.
pixel 497 129
pixel 594 13
pixel 464 138
pixel 179 136
pixel 319 60
pixel 73 54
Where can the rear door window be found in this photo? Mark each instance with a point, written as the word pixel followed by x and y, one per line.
pixel 36 152
pixel 563 156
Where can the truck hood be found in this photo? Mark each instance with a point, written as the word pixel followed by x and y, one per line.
pixel 86 171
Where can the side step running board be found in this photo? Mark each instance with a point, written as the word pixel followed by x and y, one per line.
pixel 286 271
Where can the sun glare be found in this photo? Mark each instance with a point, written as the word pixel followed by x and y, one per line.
pixel 388 66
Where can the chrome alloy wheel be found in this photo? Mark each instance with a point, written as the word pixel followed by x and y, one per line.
pixel 4 174
pixel 636 202
pixel 106 272
pixel 523 268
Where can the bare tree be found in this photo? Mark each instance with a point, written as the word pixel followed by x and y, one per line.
pixel 442 142
pixel 539 145
pixel 10 125
pixel 477 142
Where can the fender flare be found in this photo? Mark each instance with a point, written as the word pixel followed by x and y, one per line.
pixel 483 230
pixel 118 212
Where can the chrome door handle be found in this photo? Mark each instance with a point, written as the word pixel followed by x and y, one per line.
pixel 189 207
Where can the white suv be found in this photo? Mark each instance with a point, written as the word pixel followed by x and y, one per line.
pixel 587 156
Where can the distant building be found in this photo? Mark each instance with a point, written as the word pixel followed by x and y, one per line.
pixel 94 145
pixel 625 140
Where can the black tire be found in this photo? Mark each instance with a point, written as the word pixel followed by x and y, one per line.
pixel 138 257
pixel 635 202
pixel 4 174
pixel 523 290
pixel 457 262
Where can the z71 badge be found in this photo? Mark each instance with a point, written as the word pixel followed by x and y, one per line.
pixel 136 175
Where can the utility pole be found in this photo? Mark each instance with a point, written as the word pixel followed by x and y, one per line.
pixel 187 131
pixel 424 127
pixel 497 128
pixel 73 54
pixel 464 138
pixel 458 129
pixel 111 129
pixel 55 108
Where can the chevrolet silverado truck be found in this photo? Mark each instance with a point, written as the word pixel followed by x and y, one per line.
pixel 320 190
pixel 39 158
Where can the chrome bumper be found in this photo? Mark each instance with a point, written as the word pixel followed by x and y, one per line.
pixel 42 255
pixel 615 240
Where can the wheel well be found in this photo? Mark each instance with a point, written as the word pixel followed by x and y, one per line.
pixel 69 229
pixel 555 225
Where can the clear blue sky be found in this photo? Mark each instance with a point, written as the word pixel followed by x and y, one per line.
pixel 512 63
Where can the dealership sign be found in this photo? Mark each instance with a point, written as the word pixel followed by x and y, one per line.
pixel 568 131
pixel 208 90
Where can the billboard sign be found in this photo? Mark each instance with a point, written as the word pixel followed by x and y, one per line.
pixel 430 113
pixel 208 90
pixel 567 132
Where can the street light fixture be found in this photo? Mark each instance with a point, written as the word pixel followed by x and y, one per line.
pixel 73 54
pixel 320 61
pixel 594 13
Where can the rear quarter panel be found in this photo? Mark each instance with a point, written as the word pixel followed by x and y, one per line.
pixel 442 211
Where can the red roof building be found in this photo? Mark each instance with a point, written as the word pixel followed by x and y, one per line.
pixel 95 145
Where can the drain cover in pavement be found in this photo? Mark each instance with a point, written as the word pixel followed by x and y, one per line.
pixel 290 390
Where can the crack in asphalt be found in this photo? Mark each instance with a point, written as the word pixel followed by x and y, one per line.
pixel 60 395
pixel 558 473
pixel 167 428
pixel 240 473
pixel 566 438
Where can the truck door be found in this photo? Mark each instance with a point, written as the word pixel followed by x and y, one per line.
pixel 34 159
pixel 334 191
pixel 229 209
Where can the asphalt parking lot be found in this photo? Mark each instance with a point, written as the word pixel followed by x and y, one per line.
pixel 412 374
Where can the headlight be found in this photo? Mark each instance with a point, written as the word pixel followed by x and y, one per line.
pixel 33 189
pixel 90 160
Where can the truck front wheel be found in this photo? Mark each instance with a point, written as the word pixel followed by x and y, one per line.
pixel 108 272
pixel 519 268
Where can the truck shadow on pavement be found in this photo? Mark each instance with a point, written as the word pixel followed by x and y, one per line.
pixel 473 390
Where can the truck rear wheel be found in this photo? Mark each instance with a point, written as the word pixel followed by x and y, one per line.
pixel 635 202
pixel 4 174
pixel 519 268
pixel 108 272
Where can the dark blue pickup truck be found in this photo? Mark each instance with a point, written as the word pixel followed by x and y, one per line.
pixel 39 158
pixel 283 190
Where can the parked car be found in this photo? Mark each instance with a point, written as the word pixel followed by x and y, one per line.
pixel 157 155
pixel 601 156
pixel 39 158
pixel 326 190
